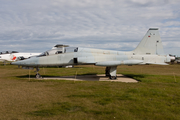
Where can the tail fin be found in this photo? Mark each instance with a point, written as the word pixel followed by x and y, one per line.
pixel 150 44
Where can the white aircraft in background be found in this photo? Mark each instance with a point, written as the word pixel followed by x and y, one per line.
pixel 14 56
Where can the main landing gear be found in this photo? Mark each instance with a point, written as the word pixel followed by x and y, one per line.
pixel 111 72
pixel 37 74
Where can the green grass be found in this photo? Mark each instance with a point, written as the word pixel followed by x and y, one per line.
pixel 155 96
pixel 55 109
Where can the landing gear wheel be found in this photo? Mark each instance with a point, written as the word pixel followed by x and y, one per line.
pixel 38 76
pixel 113 77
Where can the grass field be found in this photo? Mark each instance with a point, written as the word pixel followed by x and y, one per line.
pixel 156 96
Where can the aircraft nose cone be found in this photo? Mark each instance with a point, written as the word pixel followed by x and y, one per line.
pixel 13 63
pixel 16 63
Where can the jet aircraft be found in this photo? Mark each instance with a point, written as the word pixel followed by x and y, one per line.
pixel 149 51
pixel 14 56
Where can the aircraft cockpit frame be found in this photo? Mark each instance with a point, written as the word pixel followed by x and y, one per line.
pixel 59 51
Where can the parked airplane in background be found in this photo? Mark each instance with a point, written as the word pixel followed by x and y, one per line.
pixel 149 51
pixel 14 56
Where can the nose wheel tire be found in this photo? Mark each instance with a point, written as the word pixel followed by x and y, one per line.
pixel 38 76
pixel 113 77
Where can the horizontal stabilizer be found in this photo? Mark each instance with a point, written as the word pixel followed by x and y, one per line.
pixel 116 63
pixel 156 63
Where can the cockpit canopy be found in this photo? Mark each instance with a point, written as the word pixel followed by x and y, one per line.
pixel 8 52
pixel 59 51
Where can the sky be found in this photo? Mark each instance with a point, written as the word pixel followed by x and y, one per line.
pixel 38 25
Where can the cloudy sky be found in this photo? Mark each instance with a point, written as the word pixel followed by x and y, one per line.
pixel 37 25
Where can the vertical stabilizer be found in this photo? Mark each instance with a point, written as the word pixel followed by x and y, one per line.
pixel 150 44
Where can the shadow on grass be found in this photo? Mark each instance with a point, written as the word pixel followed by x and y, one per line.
pixel 136 77
pixel 34 76
pixel 25 76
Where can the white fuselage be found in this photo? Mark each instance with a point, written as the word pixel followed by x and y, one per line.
pixel 98 57
pixel 13 56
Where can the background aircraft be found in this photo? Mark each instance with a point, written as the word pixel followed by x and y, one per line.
pixel 14 56
pixel 149 51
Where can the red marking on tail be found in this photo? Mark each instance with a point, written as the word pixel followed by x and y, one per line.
pixel 14 57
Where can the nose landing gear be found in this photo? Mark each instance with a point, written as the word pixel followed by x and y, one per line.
pixel 37 74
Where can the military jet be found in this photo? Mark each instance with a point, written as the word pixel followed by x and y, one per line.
pixel 14 56
pixel 149 51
